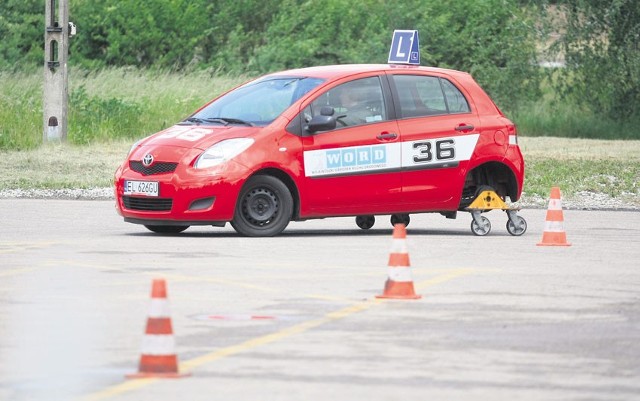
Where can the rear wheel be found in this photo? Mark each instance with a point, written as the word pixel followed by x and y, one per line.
pixel 264 207
pixel 167 229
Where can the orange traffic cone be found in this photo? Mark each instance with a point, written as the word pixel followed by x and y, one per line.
pixel 399 284
pixel 554 234
pixel 158 356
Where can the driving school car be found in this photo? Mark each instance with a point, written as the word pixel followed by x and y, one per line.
pixel 344 140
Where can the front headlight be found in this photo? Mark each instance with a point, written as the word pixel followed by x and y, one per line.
pixel 222 151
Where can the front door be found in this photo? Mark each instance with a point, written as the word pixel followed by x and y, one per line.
pixel 355 168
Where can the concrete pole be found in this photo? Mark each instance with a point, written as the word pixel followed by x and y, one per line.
pixel 56 80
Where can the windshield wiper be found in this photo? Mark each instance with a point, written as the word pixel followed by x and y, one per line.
pixel 193 120
pixel 227 121
pixel 220 120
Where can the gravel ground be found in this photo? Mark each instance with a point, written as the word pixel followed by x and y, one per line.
pixel 580 201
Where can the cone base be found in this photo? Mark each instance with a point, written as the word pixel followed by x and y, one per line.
pixel 151 375
pixel 551 244
pixel 383 296
pixel 554 239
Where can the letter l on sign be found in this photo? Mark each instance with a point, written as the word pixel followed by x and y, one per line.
pixel 405 48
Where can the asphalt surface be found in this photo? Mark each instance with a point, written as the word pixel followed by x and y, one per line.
pixel 295 317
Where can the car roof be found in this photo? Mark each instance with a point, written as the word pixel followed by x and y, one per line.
pixel 331 72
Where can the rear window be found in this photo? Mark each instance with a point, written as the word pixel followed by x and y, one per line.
pixel 428 96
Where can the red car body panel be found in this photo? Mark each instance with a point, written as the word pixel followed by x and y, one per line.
pixel 409 187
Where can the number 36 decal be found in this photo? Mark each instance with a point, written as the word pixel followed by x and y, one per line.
pixel 427 151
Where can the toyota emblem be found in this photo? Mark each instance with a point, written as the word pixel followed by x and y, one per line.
pixel 147 160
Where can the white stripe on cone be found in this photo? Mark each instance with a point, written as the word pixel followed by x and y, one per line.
pixel 555 204
pixel 399 245
pixel 554 226
pixel 158 344
pixel 159 307
pixel 400 274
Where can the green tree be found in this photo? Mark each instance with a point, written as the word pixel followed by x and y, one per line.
pixel 601 47
pixel 306 33
pixel 165 33
pixel 492 39
pixel 495 40
pixel 22 33
pixel 238 27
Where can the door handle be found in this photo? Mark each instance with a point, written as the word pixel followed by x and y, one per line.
pixel 464 127
pixel 387 136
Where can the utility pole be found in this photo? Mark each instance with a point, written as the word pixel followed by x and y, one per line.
pixel 56 79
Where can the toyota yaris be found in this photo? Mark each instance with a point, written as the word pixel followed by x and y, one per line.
pixel 344 140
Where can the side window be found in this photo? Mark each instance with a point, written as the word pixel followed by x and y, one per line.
pixel 355 103
pixel 428 96
pixel 455 99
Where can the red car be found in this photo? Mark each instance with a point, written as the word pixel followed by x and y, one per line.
pixel 344 140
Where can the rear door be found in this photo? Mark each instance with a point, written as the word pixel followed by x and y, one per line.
pixel 355 168
pixel 439 133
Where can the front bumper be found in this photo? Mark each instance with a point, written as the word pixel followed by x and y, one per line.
pixel 186 196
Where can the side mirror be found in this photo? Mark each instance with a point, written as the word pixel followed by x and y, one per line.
pixel 324 122
pixel 321 123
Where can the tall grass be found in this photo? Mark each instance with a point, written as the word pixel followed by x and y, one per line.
pixel 128 103
pixel 558 119
pixel 21 120
pixel 105 105
pixel 555 116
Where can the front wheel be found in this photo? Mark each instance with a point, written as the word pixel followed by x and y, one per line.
pixel 264 207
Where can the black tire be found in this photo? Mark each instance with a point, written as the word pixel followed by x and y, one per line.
pixel 365 222
pixel 470 194
pixel 264 207
pixel 167 229
pixel 400 218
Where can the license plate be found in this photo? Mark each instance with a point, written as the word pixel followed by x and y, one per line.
pixel 146 188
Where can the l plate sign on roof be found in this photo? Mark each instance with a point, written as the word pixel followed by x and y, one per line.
pixel 405 48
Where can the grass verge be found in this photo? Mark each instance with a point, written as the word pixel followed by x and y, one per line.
pixel 580 167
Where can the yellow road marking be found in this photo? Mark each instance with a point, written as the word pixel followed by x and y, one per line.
pixel 13 247
pixel 273 337
pixel 444 277
pixel 174 276
pixel 19 270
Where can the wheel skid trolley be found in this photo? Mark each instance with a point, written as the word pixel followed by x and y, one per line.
pixel 489 200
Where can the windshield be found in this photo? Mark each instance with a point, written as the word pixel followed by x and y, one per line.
pixel 256 103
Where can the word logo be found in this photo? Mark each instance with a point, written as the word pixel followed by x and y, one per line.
pixel 360 156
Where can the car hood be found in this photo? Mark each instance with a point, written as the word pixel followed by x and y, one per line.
pixel 197 136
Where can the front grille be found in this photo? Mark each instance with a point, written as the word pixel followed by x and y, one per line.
pixel 155 168
pixel 150 204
